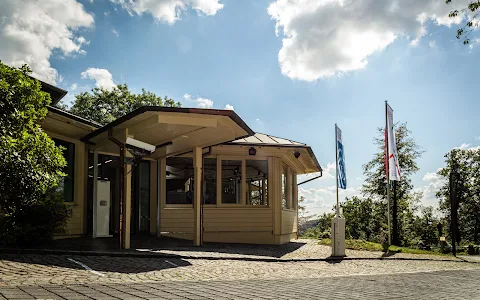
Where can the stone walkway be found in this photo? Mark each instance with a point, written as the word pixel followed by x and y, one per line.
pixel 60 269
pixel 431 285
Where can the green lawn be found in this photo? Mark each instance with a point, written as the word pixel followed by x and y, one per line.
pixel 370 246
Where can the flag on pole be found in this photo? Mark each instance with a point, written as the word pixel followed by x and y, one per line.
pixel 341 172
pixel 393 167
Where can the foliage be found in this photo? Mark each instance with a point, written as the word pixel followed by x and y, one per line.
pixel 105 106
pixel 30 162
pixel 472 22
pixel 363 245
pixel 404 197
pixel 465 165
pixel 35 223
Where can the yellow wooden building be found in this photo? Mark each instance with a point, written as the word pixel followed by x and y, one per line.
pixel 210 178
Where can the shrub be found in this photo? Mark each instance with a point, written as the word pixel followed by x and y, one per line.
pixel 34 224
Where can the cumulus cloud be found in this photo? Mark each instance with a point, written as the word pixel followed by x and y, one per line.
pixel 229 107
pixel 73 87
pixel 331 37
pixel 169 11
pixel 320 200
pixel 115 32
pixel 103 78
pixel 433 182
pixel 31 30
pixel 200 102
pixel 466 146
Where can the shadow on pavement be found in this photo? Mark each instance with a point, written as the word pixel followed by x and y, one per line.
pixel 183 247
pixel 96 263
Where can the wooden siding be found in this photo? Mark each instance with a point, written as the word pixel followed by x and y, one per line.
pixel 237 219
pixel 176 220
pixel 289 221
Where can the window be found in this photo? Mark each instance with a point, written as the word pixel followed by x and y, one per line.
pixel 232 181
pixel 284 187
pixel 257 176
pixel 66 186
pixel 179 187
pixel 210 180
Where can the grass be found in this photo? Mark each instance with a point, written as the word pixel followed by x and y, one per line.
pixel 371 246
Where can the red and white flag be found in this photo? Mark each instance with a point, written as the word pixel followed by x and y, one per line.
pixel 393 167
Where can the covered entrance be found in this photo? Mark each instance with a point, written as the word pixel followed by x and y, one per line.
pixel 135 187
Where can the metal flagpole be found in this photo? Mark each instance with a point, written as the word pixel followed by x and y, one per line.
pixel 388 172
pixel 336 170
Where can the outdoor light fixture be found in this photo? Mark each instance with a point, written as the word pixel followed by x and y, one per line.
pixel 252 151
pixel 296 154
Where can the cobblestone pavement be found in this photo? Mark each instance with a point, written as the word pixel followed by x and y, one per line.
pixel 431 285
pixel 65 270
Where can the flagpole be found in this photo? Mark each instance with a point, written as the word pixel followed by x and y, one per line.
pixel 336 171
pixel 388 172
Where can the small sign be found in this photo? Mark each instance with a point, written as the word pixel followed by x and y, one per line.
pixel 442 239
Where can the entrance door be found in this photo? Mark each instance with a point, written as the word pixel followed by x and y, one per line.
pixel 141 198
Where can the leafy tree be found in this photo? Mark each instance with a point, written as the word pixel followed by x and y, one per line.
pixel 105 106
pixel 30 163
pixel 464 32
pixel 465 166
pixel 402 193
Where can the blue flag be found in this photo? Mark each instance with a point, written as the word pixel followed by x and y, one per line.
pixel 342 175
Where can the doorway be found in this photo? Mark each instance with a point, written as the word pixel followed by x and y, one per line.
pixel 141 198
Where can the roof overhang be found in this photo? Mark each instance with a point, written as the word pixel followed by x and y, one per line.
pixel 173 130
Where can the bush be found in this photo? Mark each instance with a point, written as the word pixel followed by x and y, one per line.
pixel 34 224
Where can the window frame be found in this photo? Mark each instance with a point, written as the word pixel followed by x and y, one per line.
pixel 62 141
pixel 263 158
pixel 170 205
pixel 243 199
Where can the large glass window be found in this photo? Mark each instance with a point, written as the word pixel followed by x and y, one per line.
pixel 284 187
pixel 179 187
pixel 232 181
pixel 257 176
pixel 66 185
pixel 210 180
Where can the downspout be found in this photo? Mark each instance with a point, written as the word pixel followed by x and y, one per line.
pixel 122 188
pixel 311 179
pixel 202 196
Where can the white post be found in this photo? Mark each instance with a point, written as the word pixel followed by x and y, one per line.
pixel 387 157
pixel 159 187
pixel 95 191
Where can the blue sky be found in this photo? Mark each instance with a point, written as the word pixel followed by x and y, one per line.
pixel 338 65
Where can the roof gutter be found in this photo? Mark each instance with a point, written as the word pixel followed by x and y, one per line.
pixel 311 179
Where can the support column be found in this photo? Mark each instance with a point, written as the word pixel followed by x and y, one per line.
pixel 197 194
pixel 95 191
pixel 127 184
pixel 159 168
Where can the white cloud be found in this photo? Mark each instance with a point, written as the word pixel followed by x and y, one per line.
pixel 432 44
pixel 229 107
pixel 115 32
pixel 466 146
pixel 200 102
pixel 102 77
pixel 259 122
pixel 322 200
pixel 433 183
pixel 31 30
pixel 73 87
pixel 331 37
pixel 169 11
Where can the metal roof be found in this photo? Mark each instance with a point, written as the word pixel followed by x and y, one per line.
pixel 263 139
pixel 55 92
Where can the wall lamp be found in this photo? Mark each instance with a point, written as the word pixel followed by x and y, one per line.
pixel 296 154
pixel 252 151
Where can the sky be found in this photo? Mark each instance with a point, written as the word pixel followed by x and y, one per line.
pixel 289 68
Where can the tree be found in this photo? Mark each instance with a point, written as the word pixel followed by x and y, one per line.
pixel 30 163
pixel 375 184
pixel 465 166
pixel 464 32
pixel 105 106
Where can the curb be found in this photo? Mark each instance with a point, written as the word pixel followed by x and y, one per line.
pixel 213 258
